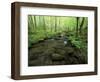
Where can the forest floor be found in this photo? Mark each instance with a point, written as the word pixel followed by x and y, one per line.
pixel 55 52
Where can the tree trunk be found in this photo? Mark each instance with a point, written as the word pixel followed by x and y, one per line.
pixel 44 26
pixel 77 21
pixel 35 22
pixel 55 24
pixel 81 25
pixel 51 24
pixel 32 22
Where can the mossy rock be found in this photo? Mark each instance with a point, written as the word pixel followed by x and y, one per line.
pixel 60 51
pixel 69 50
pixel 33 56
pixel 57 57
pixel 48 51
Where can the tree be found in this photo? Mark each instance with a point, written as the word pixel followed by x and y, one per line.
pixel 77 23
pixel 44 26
pixel 81 25
pixel 55 24
pixel 31 24
pixel 35 22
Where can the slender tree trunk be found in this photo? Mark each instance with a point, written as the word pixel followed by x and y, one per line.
pixel 81 25
pixel 40 21
pixel 35 26
pixel 77 21
pixel 32 23
pixel 51 23
pixel 55 24
pixel 44 26
pixel 59 24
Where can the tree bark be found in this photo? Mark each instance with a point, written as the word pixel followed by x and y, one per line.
pixel 81 25
pixel 44 26
pixel 55 24
pixel 77 23
pixel 35 22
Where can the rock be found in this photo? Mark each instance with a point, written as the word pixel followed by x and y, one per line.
pixel 48 51
pixel 40 61
pixel 34 53
pixel 33 56
pixel 74 61
pixel 34 63
pixel 60 51
pixel 46 58
pixel 57 57
pixel 59 62
pixel 53 51
pixel 58 47
pixel 69 50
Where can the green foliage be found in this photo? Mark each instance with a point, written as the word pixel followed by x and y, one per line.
pixel 75 42
pixel 41 27
pixel 79 42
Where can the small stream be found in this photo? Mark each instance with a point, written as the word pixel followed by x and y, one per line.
pixel 55 51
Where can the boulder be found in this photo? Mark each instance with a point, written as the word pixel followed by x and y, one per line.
pixel 69 50
pixel 57 57
pixel 60 51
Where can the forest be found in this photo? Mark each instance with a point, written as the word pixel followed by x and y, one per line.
pixel 57 40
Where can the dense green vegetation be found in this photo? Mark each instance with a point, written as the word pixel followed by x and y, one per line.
pixel 71 29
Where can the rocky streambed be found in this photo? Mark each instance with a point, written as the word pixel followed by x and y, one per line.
pixel 55 52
